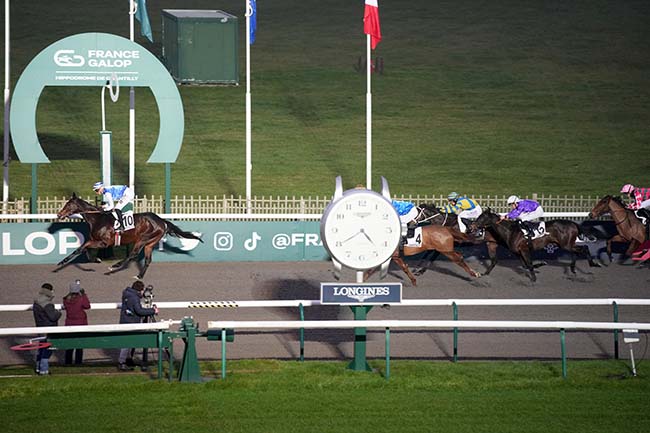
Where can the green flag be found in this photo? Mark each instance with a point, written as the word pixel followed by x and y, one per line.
pixel 142 16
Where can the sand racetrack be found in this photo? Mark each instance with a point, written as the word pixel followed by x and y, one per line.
pixel 274 280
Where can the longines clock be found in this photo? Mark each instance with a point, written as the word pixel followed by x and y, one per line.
pixel 360 228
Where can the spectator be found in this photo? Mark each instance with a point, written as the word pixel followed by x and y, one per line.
pixel 75 303
pixel 45 315
pixel 132 312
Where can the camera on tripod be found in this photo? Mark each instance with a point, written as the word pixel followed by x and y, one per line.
pixel 147 297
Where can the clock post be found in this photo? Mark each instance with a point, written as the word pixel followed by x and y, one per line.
pixel 361 230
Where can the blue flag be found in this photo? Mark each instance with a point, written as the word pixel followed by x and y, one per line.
pixel 253 19
pixel 142 16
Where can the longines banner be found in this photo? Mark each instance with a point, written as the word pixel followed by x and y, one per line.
pixel 32 243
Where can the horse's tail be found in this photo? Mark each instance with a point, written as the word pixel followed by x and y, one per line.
pixel 174 230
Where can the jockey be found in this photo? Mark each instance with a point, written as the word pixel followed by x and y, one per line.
pixel 640 197
pixel 466 208
pixel 116 198
pixel 524 210
pixel 408 212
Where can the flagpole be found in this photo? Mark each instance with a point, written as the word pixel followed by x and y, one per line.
pixel 249 165
pixel 368 118
pixel 5 160
pixel 132 10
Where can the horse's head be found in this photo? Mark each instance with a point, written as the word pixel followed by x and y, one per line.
pixel 486 219
pixel 604 205
pixel 74 205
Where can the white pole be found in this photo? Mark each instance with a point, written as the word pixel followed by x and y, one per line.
pixel 368 119
pixel 5 158
pixel 132 109
pixel 249 165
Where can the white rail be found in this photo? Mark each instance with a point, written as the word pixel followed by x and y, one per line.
pixel 315 302
pixel 440 324
pixel 125 327
pixel 241 216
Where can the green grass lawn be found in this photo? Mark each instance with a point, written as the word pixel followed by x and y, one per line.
pixel 482 97
pixel 274 396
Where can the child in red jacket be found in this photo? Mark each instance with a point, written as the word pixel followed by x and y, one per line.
pixel 75 303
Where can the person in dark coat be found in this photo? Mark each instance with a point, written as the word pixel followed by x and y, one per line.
pixel 75 303
pixel 45 315
pixel 132 311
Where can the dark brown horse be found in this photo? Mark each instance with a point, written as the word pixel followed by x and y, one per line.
pixel 629 227
pixel 508 233
pixel 434 237
pixel 149 230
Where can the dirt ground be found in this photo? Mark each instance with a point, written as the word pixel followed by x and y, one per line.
pixel 273 280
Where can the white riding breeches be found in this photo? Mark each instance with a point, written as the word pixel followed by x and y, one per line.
pixel 470 214
pixel 409 216
pixel 126 199
pixel 532 216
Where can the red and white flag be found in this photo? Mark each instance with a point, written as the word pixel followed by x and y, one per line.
pixel 371 22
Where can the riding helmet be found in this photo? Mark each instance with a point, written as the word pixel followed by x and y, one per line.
pixel 98 185
pixel 627 188
pixel 452 196
pixel 513 199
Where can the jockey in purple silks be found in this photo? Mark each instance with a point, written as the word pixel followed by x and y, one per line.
pixel 524 210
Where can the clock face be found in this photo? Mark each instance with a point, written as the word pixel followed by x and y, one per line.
pixel 361 230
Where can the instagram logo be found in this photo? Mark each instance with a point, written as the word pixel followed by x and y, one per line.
pixel 223 241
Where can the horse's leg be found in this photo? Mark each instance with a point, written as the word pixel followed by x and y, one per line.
pixel 148 250
pixel 492 254
pixel 526 259
pixel 137 247
pixel 583 251
pixel 457 258
pixel 615 238
pixel 634 244
pixel 429 257
pixel 78 252
pixel 405 268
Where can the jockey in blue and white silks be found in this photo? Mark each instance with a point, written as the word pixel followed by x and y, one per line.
pixel 115 198
pixel 406 210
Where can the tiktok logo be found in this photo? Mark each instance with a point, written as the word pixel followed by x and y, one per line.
pixel 251 243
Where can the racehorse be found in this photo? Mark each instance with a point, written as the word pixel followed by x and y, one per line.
pixel 429 213
pixel 149 230
pixel 508 233
pixel 630 228
pixel 434 237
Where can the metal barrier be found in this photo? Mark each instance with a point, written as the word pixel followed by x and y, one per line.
pixel 431 324
pixel 453 303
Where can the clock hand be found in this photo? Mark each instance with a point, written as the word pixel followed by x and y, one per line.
pixel 367 237
pixel 351 237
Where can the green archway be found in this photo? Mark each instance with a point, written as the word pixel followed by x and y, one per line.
pixel 90 59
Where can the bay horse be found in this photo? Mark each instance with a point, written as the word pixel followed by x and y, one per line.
pixel 434 237
pixel 431 214
pixel 630 228
pixel 508 234
pixel 149 230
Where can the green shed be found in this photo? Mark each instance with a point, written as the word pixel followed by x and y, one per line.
pixel 200 46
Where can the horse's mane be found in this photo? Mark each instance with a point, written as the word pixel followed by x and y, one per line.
pixel 617 199
pixel 429 206
pixel 83 203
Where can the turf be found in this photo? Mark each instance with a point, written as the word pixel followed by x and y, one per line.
pixel 274 396
pixel 547 97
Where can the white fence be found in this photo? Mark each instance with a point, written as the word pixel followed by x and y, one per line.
pixel 215 207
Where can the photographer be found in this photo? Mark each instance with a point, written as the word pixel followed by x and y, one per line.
pixel 133 312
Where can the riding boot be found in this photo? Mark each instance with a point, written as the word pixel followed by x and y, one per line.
pixel 120 219
pixel 410 230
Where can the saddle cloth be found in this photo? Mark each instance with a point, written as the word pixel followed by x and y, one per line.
pixel 539 229
pixel 416 239
pixel 127 219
